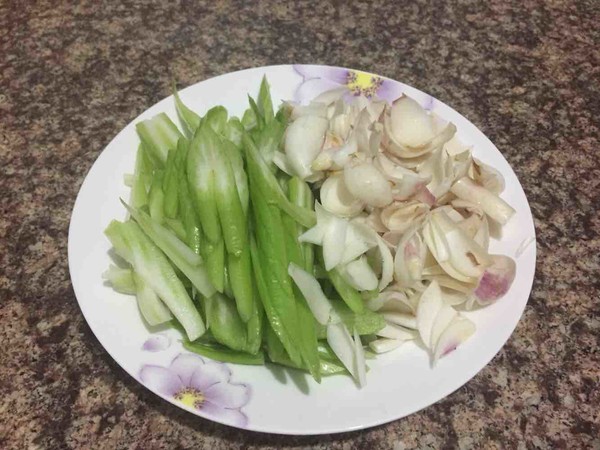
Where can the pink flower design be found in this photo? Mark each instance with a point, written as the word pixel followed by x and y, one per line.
pixel 157 343
pixel 202 385
pixel 319 79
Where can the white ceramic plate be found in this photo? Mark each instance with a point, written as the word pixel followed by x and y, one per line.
pixel 270 399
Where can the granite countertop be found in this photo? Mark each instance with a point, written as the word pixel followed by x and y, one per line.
pixel 72 74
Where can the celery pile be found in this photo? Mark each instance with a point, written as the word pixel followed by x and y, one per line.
pixel 212 248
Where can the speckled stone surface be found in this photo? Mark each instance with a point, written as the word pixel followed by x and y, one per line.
pixel 72 74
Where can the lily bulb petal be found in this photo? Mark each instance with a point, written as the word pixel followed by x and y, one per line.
pixel 384 345
pixel 410 123
pixel 336 198
pixel 496 280
pixel 487 176
pixel 430 305
pixel 400 216
pixel 303 142
pixel 368 184
pixel 457 332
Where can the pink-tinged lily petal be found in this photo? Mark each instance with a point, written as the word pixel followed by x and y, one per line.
pixel 184 366
pixel 228 395
pixel 230 416
pixel 157 343
pixel 310 89
pixel 389 90
pixel 161 380
pixel 335 74
pixel 209 374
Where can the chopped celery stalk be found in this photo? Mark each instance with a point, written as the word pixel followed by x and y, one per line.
pixel 260 120
pixel 301 195
pixel 307 326
pixel 189 119
pixel 156 198
pixel 170 190
pixel 151 307
pixel 180 254
pixel 201 179
pixel 249 120
pixel 283 115
pixel 265 104
pixel 276 323
pixel 216 118
pixel 237 165
pixel 269 140
pixel 234 131
pixel 120 279
pixel 254 327
pixel 277 355
pixel 350 295
pixel 177 227
pixel 159 135
pixel 240 278
pixel 140 179
pixel 267 183
pixel 272 251
pixel 163 238
pixel 189 218
pixel 366 322
pixel 225 323
pixel 231 215
pixel 214 257
pixel 151 265
pixel 223 354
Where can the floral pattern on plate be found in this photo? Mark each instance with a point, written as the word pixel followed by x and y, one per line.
pixel 202 385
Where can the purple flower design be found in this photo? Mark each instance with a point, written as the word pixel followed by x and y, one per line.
pixel 319 79
pixel 156 343
pixel 202 385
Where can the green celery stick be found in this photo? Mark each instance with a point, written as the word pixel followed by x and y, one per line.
pixel 249 121
pixel 223 354
pixel 216 119
pixel 153 310
pixel 234 131
pixel 120 279
pixel 180 254
pixel 214 257
pixel 301 195
pixel 201 181
pixel 350 295
pixel 159 135
pixel 272 313
pixel 237 165
pixel 225 323
pixel 277 355
pixel 231 215
pixel 254 327
pixel 187 211
pixel 269 140
pixel 177 227
pixel 366 322
pixel 188 118
pixel 156 198
pixel 151 265
pixel 260 120
pixel 239 269
pixel 169 186
pixel 265 104
pixel 306 320
pixel 267 183
pixel 141 178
